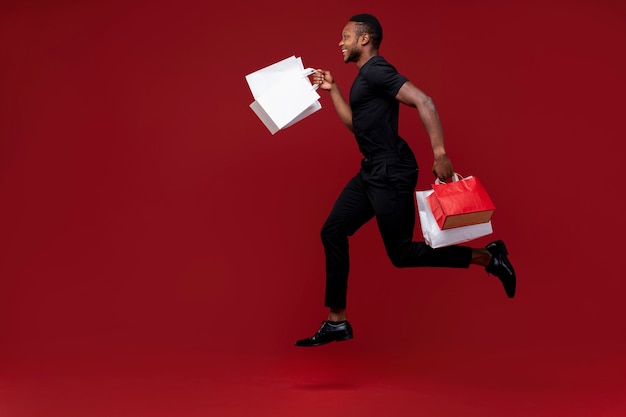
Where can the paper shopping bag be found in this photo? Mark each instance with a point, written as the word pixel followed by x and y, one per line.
pixel 436 237
pixel 283 94
pixel 462 202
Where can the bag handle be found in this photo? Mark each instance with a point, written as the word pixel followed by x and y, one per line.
pixel 308 71
pixel 455 177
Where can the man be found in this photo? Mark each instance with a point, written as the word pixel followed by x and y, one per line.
pixel 385 185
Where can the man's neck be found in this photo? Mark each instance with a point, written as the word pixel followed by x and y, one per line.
pixel 366 56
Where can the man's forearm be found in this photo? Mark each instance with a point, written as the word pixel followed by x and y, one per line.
pixel 432 124
pixel 341 106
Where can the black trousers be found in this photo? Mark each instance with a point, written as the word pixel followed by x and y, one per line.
pixel 384 188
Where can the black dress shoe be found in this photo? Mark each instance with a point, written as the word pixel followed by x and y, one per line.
pixel 501 267
pixel 330 331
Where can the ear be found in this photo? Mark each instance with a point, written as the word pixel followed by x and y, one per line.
pixel 365 39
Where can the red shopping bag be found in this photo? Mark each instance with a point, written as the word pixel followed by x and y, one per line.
pixel 462 202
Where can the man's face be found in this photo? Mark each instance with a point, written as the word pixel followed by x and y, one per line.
pixel 349 44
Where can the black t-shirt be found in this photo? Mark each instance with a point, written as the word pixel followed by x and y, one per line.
pixel 375 110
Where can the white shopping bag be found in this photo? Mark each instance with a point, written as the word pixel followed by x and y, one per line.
pixel 437 238
pixel 283 93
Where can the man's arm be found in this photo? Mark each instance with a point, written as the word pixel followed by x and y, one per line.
pixel 326 82
pixel 412 96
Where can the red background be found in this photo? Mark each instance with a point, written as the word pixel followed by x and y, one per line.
pixel 153 230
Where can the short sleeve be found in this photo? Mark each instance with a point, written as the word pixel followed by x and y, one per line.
pixel 383 77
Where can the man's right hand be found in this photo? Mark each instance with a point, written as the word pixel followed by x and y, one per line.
pixel 442 168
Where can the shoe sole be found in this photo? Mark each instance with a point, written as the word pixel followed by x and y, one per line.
pixel 342 339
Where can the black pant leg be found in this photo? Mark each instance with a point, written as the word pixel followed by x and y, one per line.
pixel 351 210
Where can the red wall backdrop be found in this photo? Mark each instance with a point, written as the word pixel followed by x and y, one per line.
pixel 145 208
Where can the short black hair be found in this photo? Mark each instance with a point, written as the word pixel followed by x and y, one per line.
pixel 369 24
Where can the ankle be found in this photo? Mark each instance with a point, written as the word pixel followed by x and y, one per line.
pixel 337 314
pixel 481 257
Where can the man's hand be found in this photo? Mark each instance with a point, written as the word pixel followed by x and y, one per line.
pixel 324 79
pixel 442 168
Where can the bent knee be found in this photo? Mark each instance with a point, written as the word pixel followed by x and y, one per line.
pixel 329 233
pixel 332 231
pixel 398 261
